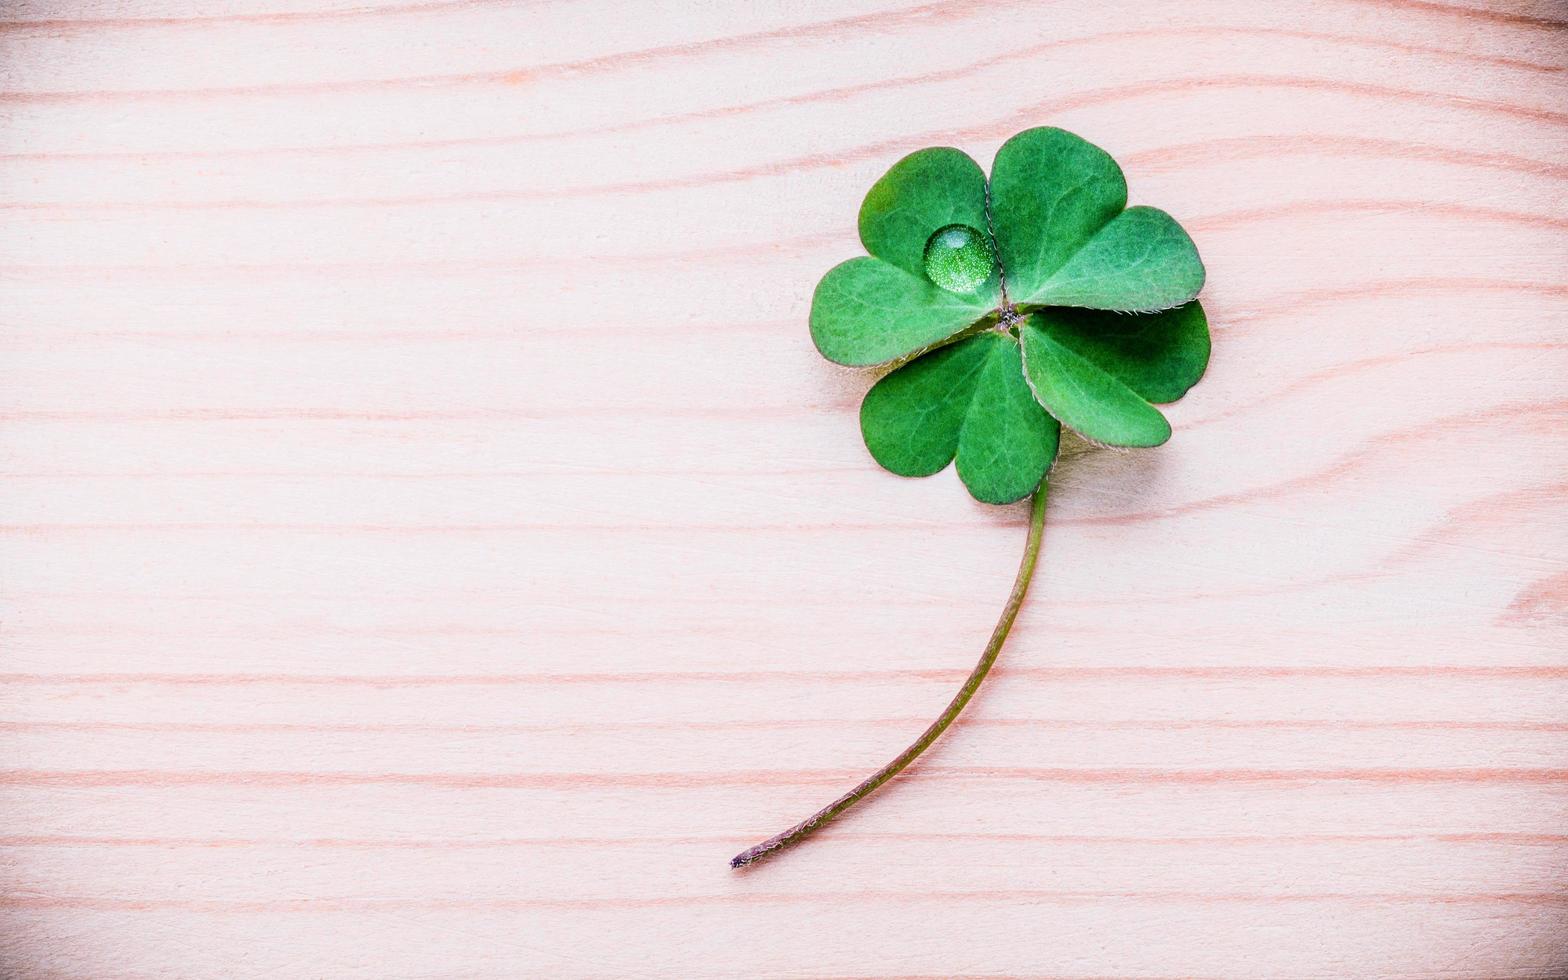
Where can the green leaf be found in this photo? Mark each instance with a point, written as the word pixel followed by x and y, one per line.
pixel 1084 396
pixel 1141 262
pixel 911 419
pixel 1157 355
pixel 1007 442
pixel 1050 192
pixel 922 193
pixel 867 312
pixel 1064 239
pixel 967 400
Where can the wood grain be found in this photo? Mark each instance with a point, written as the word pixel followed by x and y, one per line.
pixel 432 546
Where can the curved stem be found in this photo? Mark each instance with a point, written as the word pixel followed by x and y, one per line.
pixel 872 783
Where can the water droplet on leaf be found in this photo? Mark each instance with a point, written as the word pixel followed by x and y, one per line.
pixel 958 258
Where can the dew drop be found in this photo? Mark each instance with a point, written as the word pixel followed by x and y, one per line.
pixel 958 258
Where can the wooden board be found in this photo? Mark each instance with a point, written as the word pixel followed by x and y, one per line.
pixel 432 546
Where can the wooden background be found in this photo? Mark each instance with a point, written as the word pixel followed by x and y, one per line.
pixel 432 546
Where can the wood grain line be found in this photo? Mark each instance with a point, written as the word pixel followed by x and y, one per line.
pixel 1487 839
pixel 363 905
pixel 1464 12
pixel 280 17
pixel 834 724
pixel 825 778
pixel 1062 673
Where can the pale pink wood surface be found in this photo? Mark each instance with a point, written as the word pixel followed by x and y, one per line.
pixel 432 545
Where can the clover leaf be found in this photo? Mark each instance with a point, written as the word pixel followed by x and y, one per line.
pixel 925 191
pixel 1067 238
pixel 968 399
pixel 867 311
pixel 1098 373
pixel 1008 307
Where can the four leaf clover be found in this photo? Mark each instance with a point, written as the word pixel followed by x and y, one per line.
pixel 1013 307
pixel 1009 309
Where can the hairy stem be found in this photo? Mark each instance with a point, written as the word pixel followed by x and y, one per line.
pixel 872 783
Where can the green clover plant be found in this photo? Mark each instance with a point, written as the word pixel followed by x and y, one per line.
pixel 1007 308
